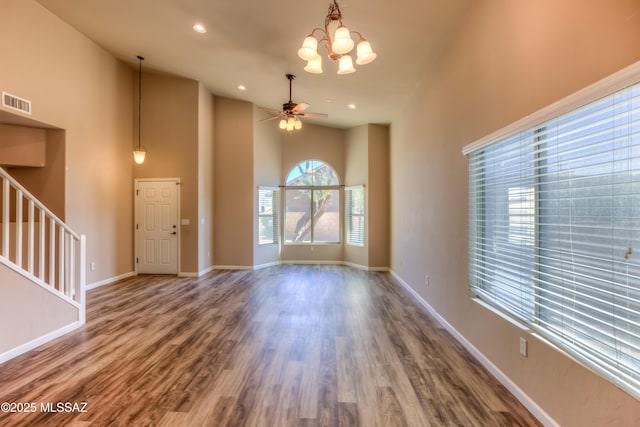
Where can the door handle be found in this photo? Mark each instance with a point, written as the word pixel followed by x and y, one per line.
pixel 173 233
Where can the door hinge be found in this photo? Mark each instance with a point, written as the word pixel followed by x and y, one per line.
pixel 137 192
pixel 137 260
pixel 136 226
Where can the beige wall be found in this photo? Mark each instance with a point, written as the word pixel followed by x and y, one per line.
pixel 77 86
pixel 47 183
pixel 21 308
pixel 233 183
pixel 510 59
pixel 22 146
pixel 356 153
pixel 206 142
pixel 267 170
pixel 170 135
pixel 377 192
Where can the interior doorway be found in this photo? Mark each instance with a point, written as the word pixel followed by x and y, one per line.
pixel 157 235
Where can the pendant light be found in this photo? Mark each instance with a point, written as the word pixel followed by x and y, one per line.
pixel 139 152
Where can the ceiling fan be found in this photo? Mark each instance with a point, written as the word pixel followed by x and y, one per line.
pixel 292 112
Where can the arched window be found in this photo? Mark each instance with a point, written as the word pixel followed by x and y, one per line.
pixel 312 204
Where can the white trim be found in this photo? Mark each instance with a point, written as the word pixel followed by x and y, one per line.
pixel 110 280
pixel 21 349
pixel 206 270
pixel 311 262
pixel 233 267
pixel 188 274
pixel 266 265
pixel 616 81
pixel 364 267
pixel 529 403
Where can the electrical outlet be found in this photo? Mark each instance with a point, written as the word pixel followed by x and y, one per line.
pixel 92 266
pixel 523 347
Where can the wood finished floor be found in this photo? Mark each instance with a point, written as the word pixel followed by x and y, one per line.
pixel 283 346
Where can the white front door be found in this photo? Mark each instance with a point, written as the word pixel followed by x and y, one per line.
pixel 156 226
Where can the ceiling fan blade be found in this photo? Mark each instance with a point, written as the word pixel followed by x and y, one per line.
pixel 271 110
pixel 299 108
pixel 314 115
pixel 270 118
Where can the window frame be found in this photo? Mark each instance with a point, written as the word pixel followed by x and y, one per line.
pixel 348 215
pixel 537 323
pixel 274 215
pixel 312 189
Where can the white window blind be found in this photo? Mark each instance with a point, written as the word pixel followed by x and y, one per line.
pixel 354 215
pixel 555 231
pixel 268 202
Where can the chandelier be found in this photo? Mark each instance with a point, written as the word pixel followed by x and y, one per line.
pixel 338 47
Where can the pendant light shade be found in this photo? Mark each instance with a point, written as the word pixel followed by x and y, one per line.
pixel 365 53
pixel 346 65
pixel 342 41
pixel 139 152
pixel 283 124
pixel 314 65
pixel 309 49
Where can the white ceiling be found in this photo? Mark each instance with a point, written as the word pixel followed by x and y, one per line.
pixel 255 43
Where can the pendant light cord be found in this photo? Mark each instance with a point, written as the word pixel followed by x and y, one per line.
pixel 140 59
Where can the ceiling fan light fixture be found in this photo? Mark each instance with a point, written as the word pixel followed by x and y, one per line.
pixel 346 65
pixel 290 124
pixel 338 44
pixel 298 124
pixel 283 124
pixel 314 65
pixel 309 49
pixel 342 41
pixel 365 53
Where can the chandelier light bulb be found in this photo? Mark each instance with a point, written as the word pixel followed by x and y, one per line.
pixel 290 124
pixel 309 49
pixel 283 124
pixel 342 41
pixel 365 53
pixel 314 65
pixel 346 65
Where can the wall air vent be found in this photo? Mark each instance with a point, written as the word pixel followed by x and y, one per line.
pixel 15 103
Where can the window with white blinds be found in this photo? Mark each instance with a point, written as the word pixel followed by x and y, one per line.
pixel 268 215
pixel 555 231
pixel 354 215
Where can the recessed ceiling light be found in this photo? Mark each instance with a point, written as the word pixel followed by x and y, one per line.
pixel 242 87
pixel 352 106
pixel 199 28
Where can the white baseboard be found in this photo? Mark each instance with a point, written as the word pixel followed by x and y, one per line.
pixel 233 267
pixel 38 342
pixel 310 262
pixel 110 280
pixel 206 270
pixel 266 265
pixel 188 274
pixel 364 267
pixel 529 403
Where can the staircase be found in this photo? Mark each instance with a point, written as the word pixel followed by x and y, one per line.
pixel 38 245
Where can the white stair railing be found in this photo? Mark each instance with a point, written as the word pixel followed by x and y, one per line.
pixel 38 245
